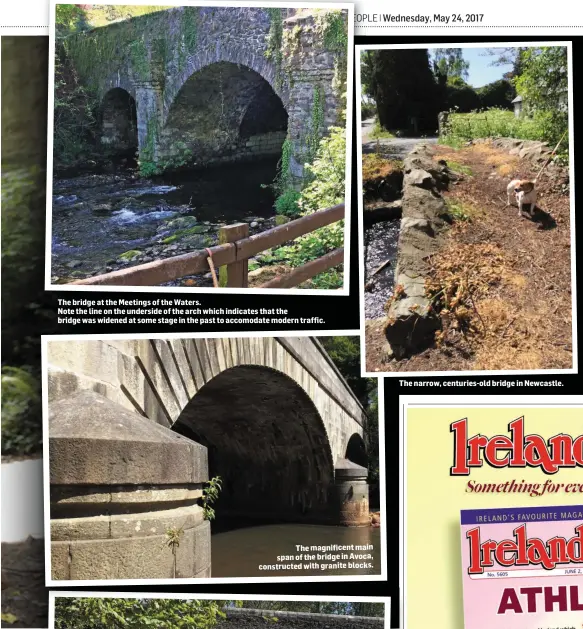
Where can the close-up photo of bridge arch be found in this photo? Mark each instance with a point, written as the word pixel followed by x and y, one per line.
pixel 199 146
pixel 192 458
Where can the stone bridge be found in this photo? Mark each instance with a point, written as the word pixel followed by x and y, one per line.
pixel 274 416
pixel 215 84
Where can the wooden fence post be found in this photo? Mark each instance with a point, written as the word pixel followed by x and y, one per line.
pixel 234 275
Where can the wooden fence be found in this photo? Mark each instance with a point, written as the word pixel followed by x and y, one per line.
pixel 232 256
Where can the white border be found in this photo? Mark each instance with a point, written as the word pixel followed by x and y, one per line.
pixel 49 581
pixel 465 401
pixel 412 374
pixel 345 290
pixel 218 597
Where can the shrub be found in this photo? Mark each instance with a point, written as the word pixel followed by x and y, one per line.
pixel 326 188
pixel 287 203
pixel 498 123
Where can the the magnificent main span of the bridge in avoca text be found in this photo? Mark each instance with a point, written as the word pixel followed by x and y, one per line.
pixel 137 427
pixel 224 83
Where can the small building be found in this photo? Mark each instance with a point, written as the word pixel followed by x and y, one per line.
pixel 517 102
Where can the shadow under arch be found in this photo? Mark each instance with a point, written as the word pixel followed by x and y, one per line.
pixel 356 450
pixel 224 112
pixel 119 122
pixel 267 442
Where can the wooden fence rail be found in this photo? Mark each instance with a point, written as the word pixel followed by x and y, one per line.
pixel 232 256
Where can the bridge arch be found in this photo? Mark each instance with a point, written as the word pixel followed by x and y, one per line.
pixel 223 111
pixel 119 121
pixel 265 439
pixel 157 378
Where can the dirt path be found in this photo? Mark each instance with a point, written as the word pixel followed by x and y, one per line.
pixel 518 270
pixel 392 148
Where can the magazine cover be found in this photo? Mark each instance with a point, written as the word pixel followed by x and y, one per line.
pixel 522 567
pixel 491 463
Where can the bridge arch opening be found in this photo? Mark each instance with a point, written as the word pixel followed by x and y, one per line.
pixel 119 123
pixel 267 442
pixel 356 450
pixel 225 112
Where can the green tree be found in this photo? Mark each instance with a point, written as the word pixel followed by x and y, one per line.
pixel 450 62
pixel 498 94
pixel 404 89
pixel 543 85
pixel 131 613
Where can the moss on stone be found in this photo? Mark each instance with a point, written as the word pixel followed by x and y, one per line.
pixel 130 255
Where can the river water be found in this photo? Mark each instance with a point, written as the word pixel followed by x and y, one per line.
pixel 241 552
pixel 103 222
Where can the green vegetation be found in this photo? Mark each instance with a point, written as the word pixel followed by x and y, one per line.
pixel 21 405
pixel 288 203
pixel 435 80
pixel 130 255
pixel 131 613
pixel 491 124
pixel 210 495
pixel 326 189
pixel 379 133
pixel 274 50
pixel 316 124
pixel 458 211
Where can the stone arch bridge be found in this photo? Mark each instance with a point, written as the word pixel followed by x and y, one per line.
pixel 273 417
pixel 215 84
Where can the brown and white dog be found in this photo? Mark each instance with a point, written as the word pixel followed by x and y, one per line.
pixel 525 194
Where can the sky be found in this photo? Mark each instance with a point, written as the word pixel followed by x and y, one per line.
pixel 481 70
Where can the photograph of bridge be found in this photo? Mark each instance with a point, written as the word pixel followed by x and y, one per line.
pixel 199 147
pixel 232 458
pixel 74 610
pixel 467 208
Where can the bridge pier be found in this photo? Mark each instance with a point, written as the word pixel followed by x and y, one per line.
pixel 124 495
pixel 149 104
pixel 351 493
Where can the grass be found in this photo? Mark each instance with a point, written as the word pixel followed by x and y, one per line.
pixel 378 133
pixel 376 167
pixel 459 211
pixel 458 167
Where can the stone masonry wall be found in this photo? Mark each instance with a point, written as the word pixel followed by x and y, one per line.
pixel 157 57
pixel 158 378
pixel 256 618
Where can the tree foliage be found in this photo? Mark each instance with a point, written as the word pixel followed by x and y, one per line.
pixel 543 86
pixel 403 87
pixel 450 62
